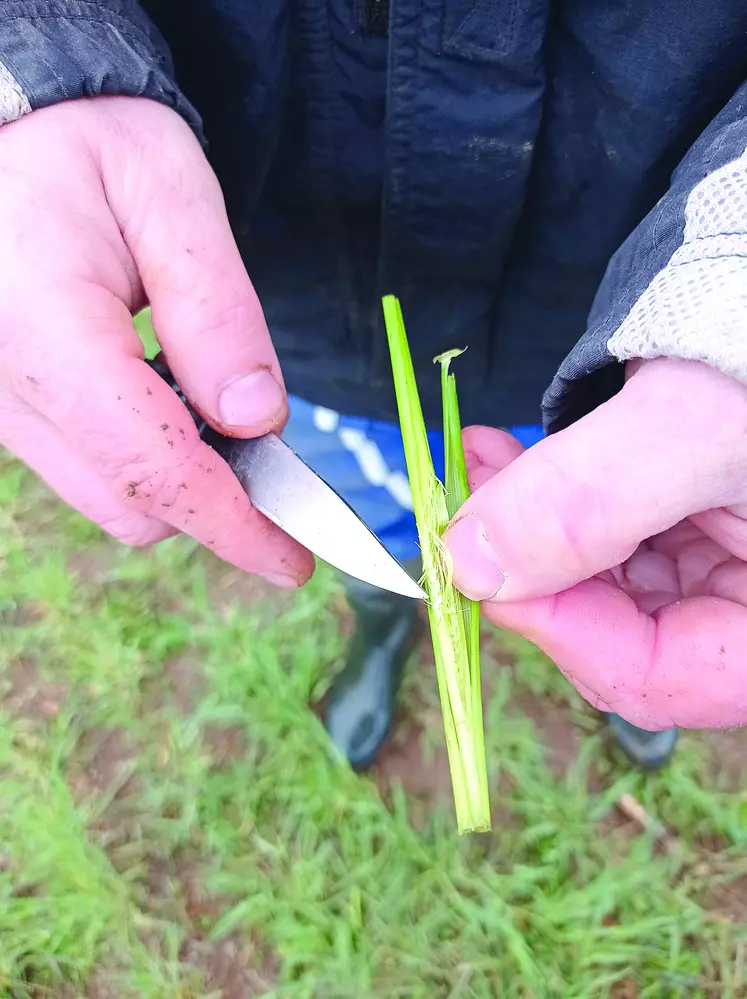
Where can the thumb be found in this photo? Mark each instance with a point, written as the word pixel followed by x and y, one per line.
pixel 670 444
pixel 206 314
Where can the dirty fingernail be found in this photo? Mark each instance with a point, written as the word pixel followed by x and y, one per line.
pixel 279 579
pixel 251 400
pixel 477 572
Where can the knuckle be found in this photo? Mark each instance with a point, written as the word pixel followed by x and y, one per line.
pixel 579 522
pixel 233 322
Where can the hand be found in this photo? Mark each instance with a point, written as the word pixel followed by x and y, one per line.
pixel 107 204
pixel 619 546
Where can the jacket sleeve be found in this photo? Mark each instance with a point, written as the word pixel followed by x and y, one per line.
pixel 677 287
pixel 57 51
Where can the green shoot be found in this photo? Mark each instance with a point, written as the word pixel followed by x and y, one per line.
pixel 454 620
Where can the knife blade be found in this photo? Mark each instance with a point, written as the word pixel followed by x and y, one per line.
pixel 291 494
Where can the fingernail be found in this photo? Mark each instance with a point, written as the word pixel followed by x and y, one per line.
pixel 280 579
pixel 251 400
pixel 476 570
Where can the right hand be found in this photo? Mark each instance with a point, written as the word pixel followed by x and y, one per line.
pixel 105 205
pixel 619 545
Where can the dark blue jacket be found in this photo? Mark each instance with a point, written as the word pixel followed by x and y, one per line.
pixel 483 159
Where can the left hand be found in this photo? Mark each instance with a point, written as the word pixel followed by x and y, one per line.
pixel 619 546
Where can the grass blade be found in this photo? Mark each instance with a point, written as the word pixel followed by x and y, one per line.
pixel 453 621
pixel 457 492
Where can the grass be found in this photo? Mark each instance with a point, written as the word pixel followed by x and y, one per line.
pixel 174 822
pixel 454 620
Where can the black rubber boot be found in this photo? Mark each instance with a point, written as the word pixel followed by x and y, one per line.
pixel 361 704
pixel 649 750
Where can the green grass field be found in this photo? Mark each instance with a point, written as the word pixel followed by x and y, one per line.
pixel 174 822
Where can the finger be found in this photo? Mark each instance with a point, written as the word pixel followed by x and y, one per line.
pixel 648 571
pixel 140 437
pixel 683 666
pixel 581 501
pixel 729 581
pixel 39 444
pixel 650 601
pixel 205 311
pixel 487 451
pixel 672 541
pixel 695 563
pixel 725 528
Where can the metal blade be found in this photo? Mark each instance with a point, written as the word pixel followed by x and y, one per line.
pixel 283 487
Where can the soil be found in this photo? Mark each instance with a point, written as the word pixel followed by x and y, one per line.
pixel 233 969
pixel 28 696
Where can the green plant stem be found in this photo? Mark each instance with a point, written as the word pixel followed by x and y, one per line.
pixel 452 621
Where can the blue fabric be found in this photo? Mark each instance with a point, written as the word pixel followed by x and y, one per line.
pixel 324 450
pixel 485 162
pixel 60 50
pixel 586 377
